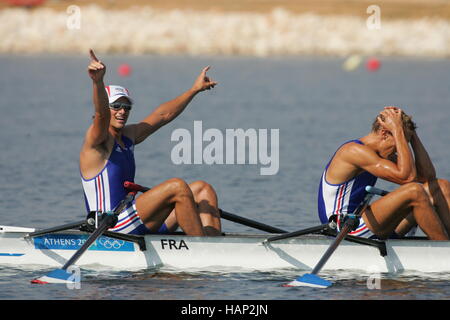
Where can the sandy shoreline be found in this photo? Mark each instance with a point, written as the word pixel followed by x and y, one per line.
pixel 391 9
pixel 152 30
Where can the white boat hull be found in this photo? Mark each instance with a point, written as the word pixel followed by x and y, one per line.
pixel 215 253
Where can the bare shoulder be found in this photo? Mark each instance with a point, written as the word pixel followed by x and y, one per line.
pixel 356 153
pixel 343 167
pixel 349 160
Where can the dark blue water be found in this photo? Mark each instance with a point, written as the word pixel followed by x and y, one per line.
pixel 46 108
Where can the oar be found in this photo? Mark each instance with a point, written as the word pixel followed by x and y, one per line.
pixel 108 221
pixel 312 279
pixel 74 225
pixel 301 232
pixel 250 223
pixel 224 214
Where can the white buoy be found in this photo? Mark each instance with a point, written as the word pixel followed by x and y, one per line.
pixel 352 62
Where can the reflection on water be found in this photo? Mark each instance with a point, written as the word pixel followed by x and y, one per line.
pixel 173 285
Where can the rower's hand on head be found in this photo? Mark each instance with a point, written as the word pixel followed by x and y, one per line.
pixel 96 68
pixel 203 82
pixel 391 118
pixel 392 108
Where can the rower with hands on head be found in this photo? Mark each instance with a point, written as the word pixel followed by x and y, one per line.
pixel 107 161
pixel 422 199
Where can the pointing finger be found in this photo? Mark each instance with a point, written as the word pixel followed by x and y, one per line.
pixel 205 69
pixel 93 57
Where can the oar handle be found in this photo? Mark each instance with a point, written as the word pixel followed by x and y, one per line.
pixel 377 191
pixel 131 186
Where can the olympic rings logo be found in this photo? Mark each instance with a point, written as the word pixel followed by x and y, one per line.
pixel 110 243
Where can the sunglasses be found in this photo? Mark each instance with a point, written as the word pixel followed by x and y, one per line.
pixel 117 106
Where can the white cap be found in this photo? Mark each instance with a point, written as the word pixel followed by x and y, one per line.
pixel 116 92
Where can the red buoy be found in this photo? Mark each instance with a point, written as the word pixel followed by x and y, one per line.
pixel 373 64
pixel 124 70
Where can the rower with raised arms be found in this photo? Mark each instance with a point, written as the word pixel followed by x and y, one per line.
pixel 107 161
pixel 422 199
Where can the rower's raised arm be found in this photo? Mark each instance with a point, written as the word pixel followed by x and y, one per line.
pixel 169 110
pixel 425 168
pixel 368 160
pixel 98 132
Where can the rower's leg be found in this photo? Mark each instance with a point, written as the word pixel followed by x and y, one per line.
pixel 171 221
pixel 155 205
pixel 439 192
pixel 406 224
pixel 384 215
pixel 206 198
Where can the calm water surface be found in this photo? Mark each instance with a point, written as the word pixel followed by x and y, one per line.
pixel 46 108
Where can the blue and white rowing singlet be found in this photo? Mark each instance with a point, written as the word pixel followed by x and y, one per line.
pixel 106 190
pixel 343 198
